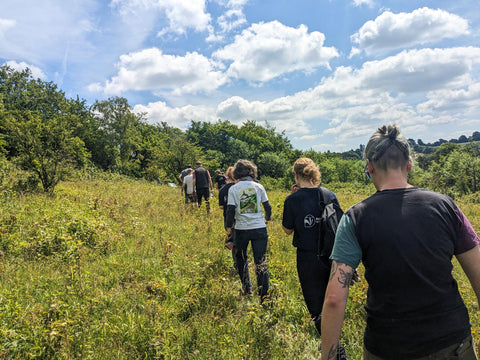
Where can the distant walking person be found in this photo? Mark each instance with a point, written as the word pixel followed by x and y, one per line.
pixel 301 215
pixel 244 207
pixel 406 238
pixel 222 203
pixel 220 179
pixel 182 175
pixel 202 184
pixel 188 188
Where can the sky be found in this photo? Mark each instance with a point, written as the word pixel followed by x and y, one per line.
pixel 327 72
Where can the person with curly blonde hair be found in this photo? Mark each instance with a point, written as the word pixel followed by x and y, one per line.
pixel 301 216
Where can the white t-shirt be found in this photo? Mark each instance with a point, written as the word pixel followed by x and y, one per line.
pixel 188 180
pixel 247 197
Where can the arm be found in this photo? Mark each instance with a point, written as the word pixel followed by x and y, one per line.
pixel 210 180
pixel 268 210
pixel 230 217
pixel 287 231
pixel 470 262
pixel 334 308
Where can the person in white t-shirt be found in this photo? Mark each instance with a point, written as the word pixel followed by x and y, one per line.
pixel 244 207
pixel 188 188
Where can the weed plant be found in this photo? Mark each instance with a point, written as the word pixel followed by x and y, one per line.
pixel 122 269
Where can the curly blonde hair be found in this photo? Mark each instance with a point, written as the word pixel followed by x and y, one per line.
pixel 306 169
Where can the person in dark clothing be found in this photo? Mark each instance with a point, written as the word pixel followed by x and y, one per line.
pixel 220 179
pixel 222 203
pixel 181 176
pixel 244 207
pixel 301 215
pixel 202 183
pixel 405 237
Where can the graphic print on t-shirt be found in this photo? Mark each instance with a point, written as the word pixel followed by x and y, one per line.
pixel 248 201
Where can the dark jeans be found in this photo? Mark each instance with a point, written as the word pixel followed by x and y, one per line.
pixel 259 239
pixel 313 272
pixel 204 193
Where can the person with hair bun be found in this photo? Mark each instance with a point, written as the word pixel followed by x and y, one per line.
pixel 301 216
pixel 244 208
pixel 405 237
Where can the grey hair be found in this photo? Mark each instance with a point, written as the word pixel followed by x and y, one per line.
pixel 244 168
pixel 387 148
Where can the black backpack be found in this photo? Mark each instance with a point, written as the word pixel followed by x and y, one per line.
pixel 330 215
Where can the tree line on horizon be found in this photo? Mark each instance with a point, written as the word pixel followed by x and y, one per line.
pixel 46 137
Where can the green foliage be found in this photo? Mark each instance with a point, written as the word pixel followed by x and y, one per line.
pixel 38 129
pixel 53 137
pixel 272 165
pixel 108 269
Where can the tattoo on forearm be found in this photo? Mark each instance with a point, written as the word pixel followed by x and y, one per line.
pixel 332 353
pixel 343 277
pixel 333 270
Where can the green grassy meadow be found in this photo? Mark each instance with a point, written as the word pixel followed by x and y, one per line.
pixel 121 269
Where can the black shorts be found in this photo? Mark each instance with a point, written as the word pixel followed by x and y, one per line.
pixel 203 193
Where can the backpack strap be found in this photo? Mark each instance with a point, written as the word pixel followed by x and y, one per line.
pixel 324 199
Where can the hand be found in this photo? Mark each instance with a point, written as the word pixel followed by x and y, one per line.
pixel 228 231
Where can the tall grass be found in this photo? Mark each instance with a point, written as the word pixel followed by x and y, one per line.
pixel 124 270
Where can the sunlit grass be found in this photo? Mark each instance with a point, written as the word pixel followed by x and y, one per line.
pixel 123 270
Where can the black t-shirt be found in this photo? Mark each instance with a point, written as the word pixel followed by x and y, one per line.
pixel 220 180
pixel 408 237
pixel 301 212
pixel 185 172
pixel 223 197
pixel 201 178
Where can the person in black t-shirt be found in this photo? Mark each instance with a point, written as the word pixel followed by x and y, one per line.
pixel 301 215
pixel 202 183
pixel 406 238
pixel 222 203
pixel 220 179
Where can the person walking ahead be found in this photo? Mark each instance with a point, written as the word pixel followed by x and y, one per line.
pixel 406 238
pixel 245 199
pixel 301 215
pixel 202 183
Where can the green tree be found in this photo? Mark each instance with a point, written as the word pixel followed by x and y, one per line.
pixel 38 128
pixel 119 129
pixel 272 165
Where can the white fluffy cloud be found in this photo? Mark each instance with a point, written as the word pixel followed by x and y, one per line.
pixel 352 102
pixel 421 26
pixel 37 73
pixel 180 117
pixel 265 51
pixel 420 70
pixel 179 15
pixel 465 100
pixel 150 69
pixel 363 2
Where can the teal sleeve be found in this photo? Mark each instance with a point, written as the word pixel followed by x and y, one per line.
pixel 346 248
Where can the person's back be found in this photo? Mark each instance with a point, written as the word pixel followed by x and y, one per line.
pixel 248 196
pixel 201 178
pixel 188 181
pixel 406 238
pixel 409 271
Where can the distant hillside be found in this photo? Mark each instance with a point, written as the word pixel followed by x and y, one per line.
pixel 427 148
